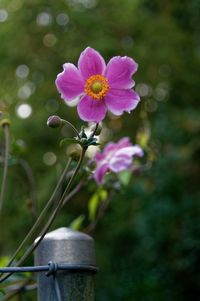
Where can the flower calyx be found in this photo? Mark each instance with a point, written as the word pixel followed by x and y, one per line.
pixel 84 140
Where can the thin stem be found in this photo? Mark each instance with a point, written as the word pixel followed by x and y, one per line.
pixel 51 219
pixel 54 214
pixel 72 126
pixel 73 192
pixel 42 213
pixel 96 128
pixel 5 170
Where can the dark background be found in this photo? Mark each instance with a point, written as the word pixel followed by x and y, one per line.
pixel 148 246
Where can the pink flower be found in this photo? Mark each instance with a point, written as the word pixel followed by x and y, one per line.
pixel 115 157
pixel 99 87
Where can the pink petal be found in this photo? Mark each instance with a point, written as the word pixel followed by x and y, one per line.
pixel 119 72
pixel 118 101
pixel 120 162
pixel 91 63
pixel 130 151
pixel 100 172
pixel 124 142
pixel 70 83
pixel 91 110
pixel 111 146
pixel 122 158
pixel 137 151
pixel 98 157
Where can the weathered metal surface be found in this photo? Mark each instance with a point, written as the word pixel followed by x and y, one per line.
pixel 68 247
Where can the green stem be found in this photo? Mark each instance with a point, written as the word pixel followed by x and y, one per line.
pixel 93 134
pixel 54 214
pixel 72 126
pixel 73 192
pixel 39 219
pixel 51 219
pixel 3 185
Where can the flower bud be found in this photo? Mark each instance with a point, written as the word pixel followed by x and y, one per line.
pixel 54 121
pixel 74 151
pixel 5 122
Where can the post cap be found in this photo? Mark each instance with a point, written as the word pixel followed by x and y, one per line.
pixel 65 245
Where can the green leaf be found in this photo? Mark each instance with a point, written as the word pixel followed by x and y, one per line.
pixel 4 260
pixel 103 194
pixel 67 141
pixel 125 177
pixel 93 205
pixel 77 222
pixel 143 137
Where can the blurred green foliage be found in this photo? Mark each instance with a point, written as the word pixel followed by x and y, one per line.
pixel 148 243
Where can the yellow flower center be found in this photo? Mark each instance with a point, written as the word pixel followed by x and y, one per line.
pixel 96 86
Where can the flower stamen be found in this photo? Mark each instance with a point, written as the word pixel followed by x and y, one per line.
pixel 96 86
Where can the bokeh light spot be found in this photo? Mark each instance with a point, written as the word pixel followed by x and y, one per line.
pixel 84 3
pixel 62 19
pixel 24 111
pixel 49 40
pixel 143 89
pixel 22 71
pixel 26 90
pixel 49 158
pixel 3 15
pixel 44 19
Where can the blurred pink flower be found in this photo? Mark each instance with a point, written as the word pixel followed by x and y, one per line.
pixel 115 157
pixel 99 87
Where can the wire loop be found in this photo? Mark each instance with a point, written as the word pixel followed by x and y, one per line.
pixel 53 268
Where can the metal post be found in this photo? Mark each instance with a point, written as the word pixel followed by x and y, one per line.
pixel 66 246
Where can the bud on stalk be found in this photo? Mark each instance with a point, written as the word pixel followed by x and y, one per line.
pixel 54 121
